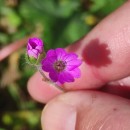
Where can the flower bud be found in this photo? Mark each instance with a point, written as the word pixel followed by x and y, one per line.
pixel 35 48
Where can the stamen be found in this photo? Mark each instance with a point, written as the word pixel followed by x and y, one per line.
pixel 59 65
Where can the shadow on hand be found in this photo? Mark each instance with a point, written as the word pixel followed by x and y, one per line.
pixel 96 54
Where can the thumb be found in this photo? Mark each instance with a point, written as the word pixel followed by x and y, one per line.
pixel 85 111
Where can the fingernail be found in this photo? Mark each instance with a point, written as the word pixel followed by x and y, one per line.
pixel 59 116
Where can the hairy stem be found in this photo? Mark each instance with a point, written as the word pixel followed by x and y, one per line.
pixel 47 79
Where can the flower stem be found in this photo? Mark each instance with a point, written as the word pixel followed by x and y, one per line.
pixel 41 72
pixel 48 80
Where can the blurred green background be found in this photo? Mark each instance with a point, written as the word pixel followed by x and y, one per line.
pixel 59 23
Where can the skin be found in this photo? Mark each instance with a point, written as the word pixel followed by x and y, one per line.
pixel 99 100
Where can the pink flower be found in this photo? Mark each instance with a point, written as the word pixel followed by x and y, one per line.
pixel 62 66
pixel 34 47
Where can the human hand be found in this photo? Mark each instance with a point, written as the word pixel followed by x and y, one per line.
pixel 106 53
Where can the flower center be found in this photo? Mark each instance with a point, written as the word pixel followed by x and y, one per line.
pixel 59 65
pixel 33 44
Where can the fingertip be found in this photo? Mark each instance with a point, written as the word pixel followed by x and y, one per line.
pixel 86 109
pixel 40 90
pixel 60 113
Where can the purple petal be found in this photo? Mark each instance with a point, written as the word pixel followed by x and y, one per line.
pixel 39 48
pixel 73 64
pixel 60 53
pixel 33 53
pixel 50 53
pixel 65 77
pixel 47 64
pixel 54 76
pixel 29 47
pixel 76 73
pixel 36 40
pixel 70 57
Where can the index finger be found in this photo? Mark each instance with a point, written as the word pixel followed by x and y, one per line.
pixel 105 52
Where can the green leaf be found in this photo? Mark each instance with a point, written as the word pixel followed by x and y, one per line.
pixel 110 6
pixel 97 5
pixel 57 9
pixel 76 29
pixel 105 6
pixel 11 16
pixel 4 38
pixel 2 129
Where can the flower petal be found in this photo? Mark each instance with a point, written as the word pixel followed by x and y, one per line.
pixel 47 64
pixel 70 57
pixel 29 47
pixel 76 73
pixel 39 48
pixel 33 53
pixel 36 40
pixel 50 53
pixel 60 53
pixel 65 77
pixel 73 64
pixel 54 76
